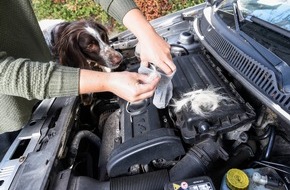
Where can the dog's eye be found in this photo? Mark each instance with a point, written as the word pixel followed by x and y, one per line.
pixel 90 46
pixel 93 47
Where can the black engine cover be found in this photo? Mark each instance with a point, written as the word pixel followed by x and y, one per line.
pixel 196 72
pixel 142 139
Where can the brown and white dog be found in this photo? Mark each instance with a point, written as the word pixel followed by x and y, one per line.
pixel 82 44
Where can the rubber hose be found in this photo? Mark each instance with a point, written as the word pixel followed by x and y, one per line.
pixel 77 139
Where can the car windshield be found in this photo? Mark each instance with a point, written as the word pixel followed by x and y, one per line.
pixel 276 12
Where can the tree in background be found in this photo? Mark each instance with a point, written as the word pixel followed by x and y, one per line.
pixel 155 8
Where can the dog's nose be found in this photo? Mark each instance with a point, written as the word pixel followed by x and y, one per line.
pixel 116 58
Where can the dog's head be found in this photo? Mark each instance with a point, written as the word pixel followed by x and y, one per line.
pixel 84 44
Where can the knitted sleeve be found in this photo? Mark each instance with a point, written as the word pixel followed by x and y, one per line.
pixel 36 80
pixel 117 8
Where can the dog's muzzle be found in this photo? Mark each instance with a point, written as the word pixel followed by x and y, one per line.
pixel 112 58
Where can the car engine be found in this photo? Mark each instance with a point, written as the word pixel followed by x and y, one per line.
pixel 115 144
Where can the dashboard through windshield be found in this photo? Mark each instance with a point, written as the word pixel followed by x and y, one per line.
pixel 276 12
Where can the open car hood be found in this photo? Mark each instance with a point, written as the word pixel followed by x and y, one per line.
pixel 113 144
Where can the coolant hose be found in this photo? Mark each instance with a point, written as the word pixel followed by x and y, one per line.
pixel 76 142
pixel 270 143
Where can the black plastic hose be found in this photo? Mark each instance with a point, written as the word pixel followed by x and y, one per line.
pixel 76 142
pixel 270 143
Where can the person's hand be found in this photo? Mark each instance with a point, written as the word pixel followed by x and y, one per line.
pixel 153 48
pixel 132 86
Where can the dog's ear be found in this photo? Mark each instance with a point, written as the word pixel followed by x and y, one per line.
pixel 56 34
pixel 70 53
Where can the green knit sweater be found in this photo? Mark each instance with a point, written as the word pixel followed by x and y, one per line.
pixel 27 73
pixel 117 8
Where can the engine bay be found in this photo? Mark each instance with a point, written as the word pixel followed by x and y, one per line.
pixel 139 139
pixel 115 144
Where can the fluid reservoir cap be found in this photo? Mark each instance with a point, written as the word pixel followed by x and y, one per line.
pixel 237 179
pixel 186 38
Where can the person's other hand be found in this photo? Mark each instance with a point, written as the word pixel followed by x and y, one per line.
pixel 154 49
pixel 132 86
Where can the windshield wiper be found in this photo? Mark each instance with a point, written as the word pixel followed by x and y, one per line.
pixel 273 59
pixel 238 16
pixel 270 26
